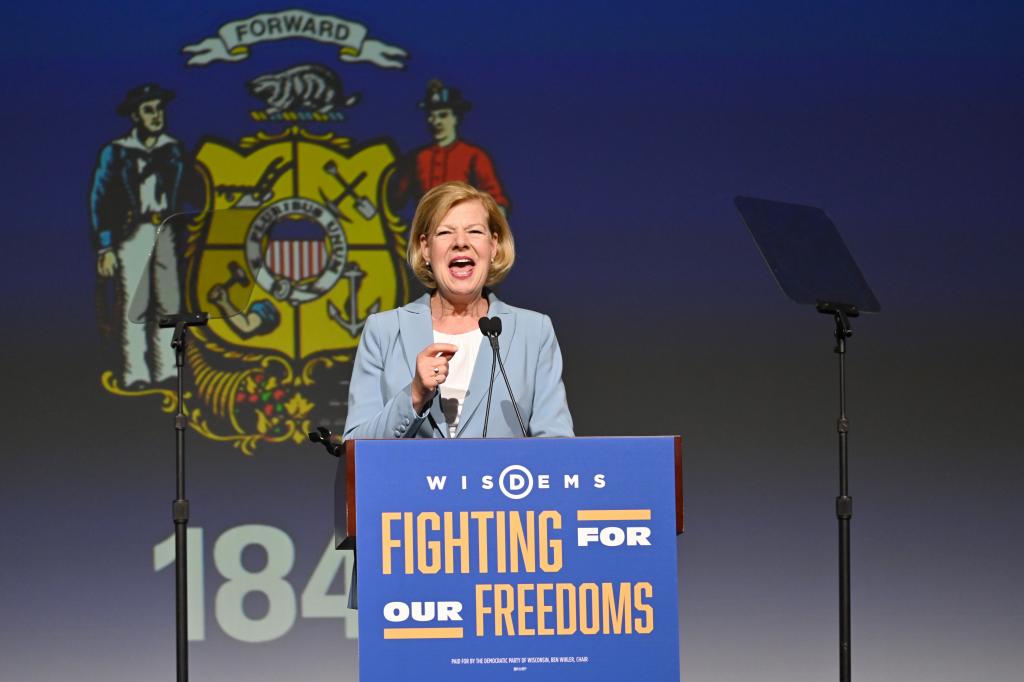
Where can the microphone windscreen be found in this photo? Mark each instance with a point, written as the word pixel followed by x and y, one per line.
pixel 496 325
pixel 485 326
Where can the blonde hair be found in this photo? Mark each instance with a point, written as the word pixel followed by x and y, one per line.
pixel 434 205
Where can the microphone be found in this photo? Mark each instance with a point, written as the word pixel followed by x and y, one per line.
pixel 491 328
pixel 324 435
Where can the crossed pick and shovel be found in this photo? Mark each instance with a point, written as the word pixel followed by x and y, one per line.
pixel 364 206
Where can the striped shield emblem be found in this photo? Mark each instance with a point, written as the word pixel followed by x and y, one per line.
pixel 296 259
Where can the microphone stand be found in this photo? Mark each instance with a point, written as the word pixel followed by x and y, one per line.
pixel 179 508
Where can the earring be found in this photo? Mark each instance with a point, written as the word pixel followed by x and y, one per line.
pixel 428 264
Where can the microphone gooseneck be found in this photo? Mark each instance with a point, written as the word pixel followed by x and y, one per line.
pixel 487 329
pixel 491 329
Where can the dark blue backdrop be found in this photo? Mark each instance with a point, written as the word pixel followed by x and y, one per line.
pixel 621 132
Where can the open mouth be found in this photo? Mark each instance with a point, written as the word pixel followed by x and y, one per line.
pixel 461 268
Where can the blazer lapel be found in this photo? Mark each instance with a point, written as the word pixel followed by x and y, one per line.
pixel 477 393
pixel 508 325
pixel 417 332
pixel 415 329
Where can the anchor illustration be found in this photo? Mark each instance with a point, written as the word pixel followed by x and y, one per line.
pixel 363 204
pixel 354 324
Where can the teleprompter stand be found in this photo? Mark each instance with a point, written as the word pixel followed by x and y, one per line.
pixel 812 265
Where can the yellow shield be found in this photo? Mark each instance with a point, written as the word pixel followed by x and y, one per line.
pixel 296 247
pixel 307 218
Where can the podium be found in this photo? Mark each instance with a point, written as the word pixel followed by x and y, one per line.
pixel 546 559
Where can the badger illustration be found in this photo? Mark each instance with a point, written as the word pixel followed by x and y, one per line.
pixel 306 87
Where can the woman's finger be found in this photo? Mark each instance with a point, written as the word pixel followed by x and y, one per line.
pixel 440 349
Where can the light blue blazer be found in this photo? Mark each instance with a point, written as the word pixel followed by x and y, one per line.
pixel 380 393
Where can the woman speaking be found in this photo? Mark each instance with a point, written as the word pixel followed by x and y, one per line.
pixel 422 370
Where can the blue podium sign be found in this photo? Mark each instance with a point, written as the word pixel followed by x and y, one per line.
pixel 542 559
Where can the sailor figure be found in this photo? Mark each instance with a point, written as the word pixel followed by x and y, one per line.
pixel 135 188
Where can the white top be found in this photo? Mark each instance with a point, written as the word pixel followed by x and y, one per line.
pixel 149 202
pixel 460 371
